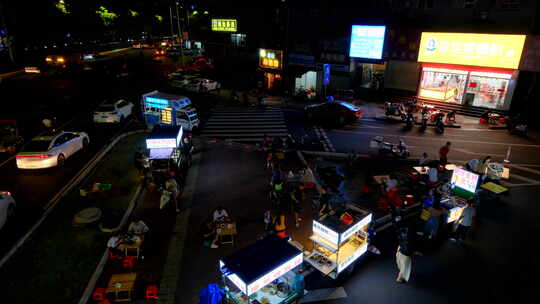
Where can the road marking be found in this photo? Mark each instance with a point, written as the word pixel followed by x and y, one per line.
pixel 476 153
pixel 441 139
pixel 7 160
pixel 523 168
pixel 324 294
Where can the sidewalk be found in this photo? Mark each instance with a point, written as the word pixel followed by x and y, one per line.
pixel 57 261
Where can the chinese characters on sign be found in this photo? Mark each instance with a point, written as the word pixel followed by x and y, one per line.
pixel 486 50
pixel 274 274
pixel 465 179
pixel 224 25
pixel 367 41
pixel 270 59
pixel 325 232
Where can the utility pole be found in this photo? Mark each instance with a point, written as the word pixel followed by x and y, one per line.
pixel 171 20
pixel 180 34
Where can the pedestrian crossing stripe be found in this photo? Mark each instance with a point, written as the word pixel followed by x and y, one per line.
pixel 245 125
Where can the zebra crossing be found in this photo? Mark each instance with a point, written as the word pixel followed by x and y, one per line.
pixel 244 125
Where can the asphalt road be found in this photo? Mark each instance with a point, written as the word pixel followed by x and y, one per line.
pixel 32 190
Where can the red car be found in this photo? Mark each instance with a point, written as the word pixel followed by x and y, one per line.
pixel 198 64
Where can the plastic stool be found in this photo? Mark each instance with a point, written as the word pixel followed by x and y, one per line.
pixel 129 262
pixel 151 292
pixel 113 256
pixel 98 294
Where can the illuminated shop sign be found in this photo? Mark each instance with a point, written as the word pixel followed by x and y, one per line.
pixel 367 41
pixel 270 59
pixel 166 116
pixel 464 179
pixel 274 274
pixel 157 102
pixel 158 143
pixel 486 50
pixel 224 25
pixel 325 232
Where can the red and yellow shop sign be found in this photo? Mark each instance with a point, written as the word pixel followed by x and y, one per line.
pixel 270 59
pixel 485 50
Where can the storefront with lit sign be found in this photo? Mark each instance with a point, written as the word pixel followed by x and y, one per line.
pixel 478 70
pixel 264 272
pixel 271 64
pixel 224 25
pixel 339 239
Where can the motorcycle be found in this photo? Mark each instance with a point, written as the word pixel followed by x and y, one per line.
pixel 439 124
pixel 409 121
pixel 399 150
pixel 395 109
pixel 517 125
pixel 424 121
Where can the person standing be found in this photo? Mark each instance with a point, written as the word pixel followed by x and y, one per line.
pixel 465 221
pixel 432 225
pixel 138 160
pixel 172 186
pixel 403 256
pixel 280 225
pixel 443 153
pixel 268 219
pixel 296 198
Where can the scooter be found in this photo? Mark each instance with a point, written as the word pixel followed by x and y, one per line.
pixel 399 150
pixel 439 124
pixel 424 121
pixel 395 109
pixel 409 121
pixel 517 126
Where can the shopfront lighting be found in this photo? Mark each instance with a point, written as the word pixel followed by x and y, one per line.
pixel 60 59
pixel 48 59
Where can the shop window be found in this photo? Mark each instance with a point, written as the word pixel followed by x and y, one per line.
pixel 469 4
pixel 238 40
pixel 487 90
pixel 443 84
pixel 509 4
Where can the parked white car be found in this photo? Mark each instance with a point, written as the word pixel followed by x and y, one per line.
pixel 113 112
pixel 51 149
pixel 201 85
pixel 7 208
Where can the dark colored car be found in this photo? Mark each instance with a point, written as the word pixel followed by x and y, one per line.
pixel 333 113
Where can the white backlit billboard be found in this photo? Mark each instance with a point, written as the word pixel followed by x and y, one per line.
pixel 367 41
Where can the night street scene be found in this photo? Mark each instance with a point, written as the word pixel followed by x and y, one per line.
pixel 269 152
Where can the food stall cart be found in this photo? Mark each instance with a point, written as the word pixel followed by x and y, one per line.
pixel 340 238
pixel 464 184
pixel 262 273
pixel 165 150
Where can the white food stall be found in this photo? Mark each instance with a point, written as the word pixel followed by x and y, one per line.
pixel 340 238
pixel 262 273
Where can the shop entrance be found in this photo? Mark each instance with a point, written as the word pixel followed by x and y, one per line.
pixel 443 84
pixel 308 81
pixel 271 81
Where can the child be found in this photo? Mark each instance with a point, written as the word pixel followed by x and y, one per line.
pixel 268 220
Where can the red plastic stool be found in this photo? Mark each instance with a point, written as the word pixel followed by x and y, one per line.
pixel 151 292
pixel 482 120
pixel 129 262
pixel 98 294
pixel 113 256
pixel 282 234
pixel 409 199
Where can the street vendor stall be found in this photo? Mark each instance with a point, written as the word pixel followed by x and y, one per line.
pixel 165 149
pixel 263 273
pixel 340 238
pixel 464 184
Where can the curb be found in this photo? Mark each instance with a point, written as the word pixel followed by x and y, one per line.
pixel 168 284
pixel 68 187
pixel 99 268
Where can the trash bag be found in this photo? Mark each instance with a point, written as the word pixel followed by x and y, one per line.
pixel 211 294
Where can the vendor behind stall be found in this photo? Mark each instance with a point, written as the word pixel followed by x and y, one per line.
pixel 220 214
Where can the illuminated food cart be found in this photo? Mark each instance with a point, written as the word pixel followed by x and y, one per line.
pixel 464 184
pixel 165 153
pixel 339 238
pixel 262 273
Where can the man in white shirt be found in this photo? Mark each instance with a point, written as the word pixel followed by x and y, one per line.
pixel 220 214
pixel 433 175
pixel 466 219
pixel 113 244
pixel 138 227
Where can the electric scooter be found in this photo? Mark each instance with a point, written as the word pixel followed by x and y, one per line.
pixel 399 150
pixel 439 124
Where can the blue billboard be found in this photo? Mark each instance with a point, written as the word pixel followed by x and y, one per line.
pixel 367 41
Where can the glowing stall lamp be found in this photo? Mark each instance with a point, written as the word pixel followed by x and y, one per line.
pixel 60 59
pixel 48 59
